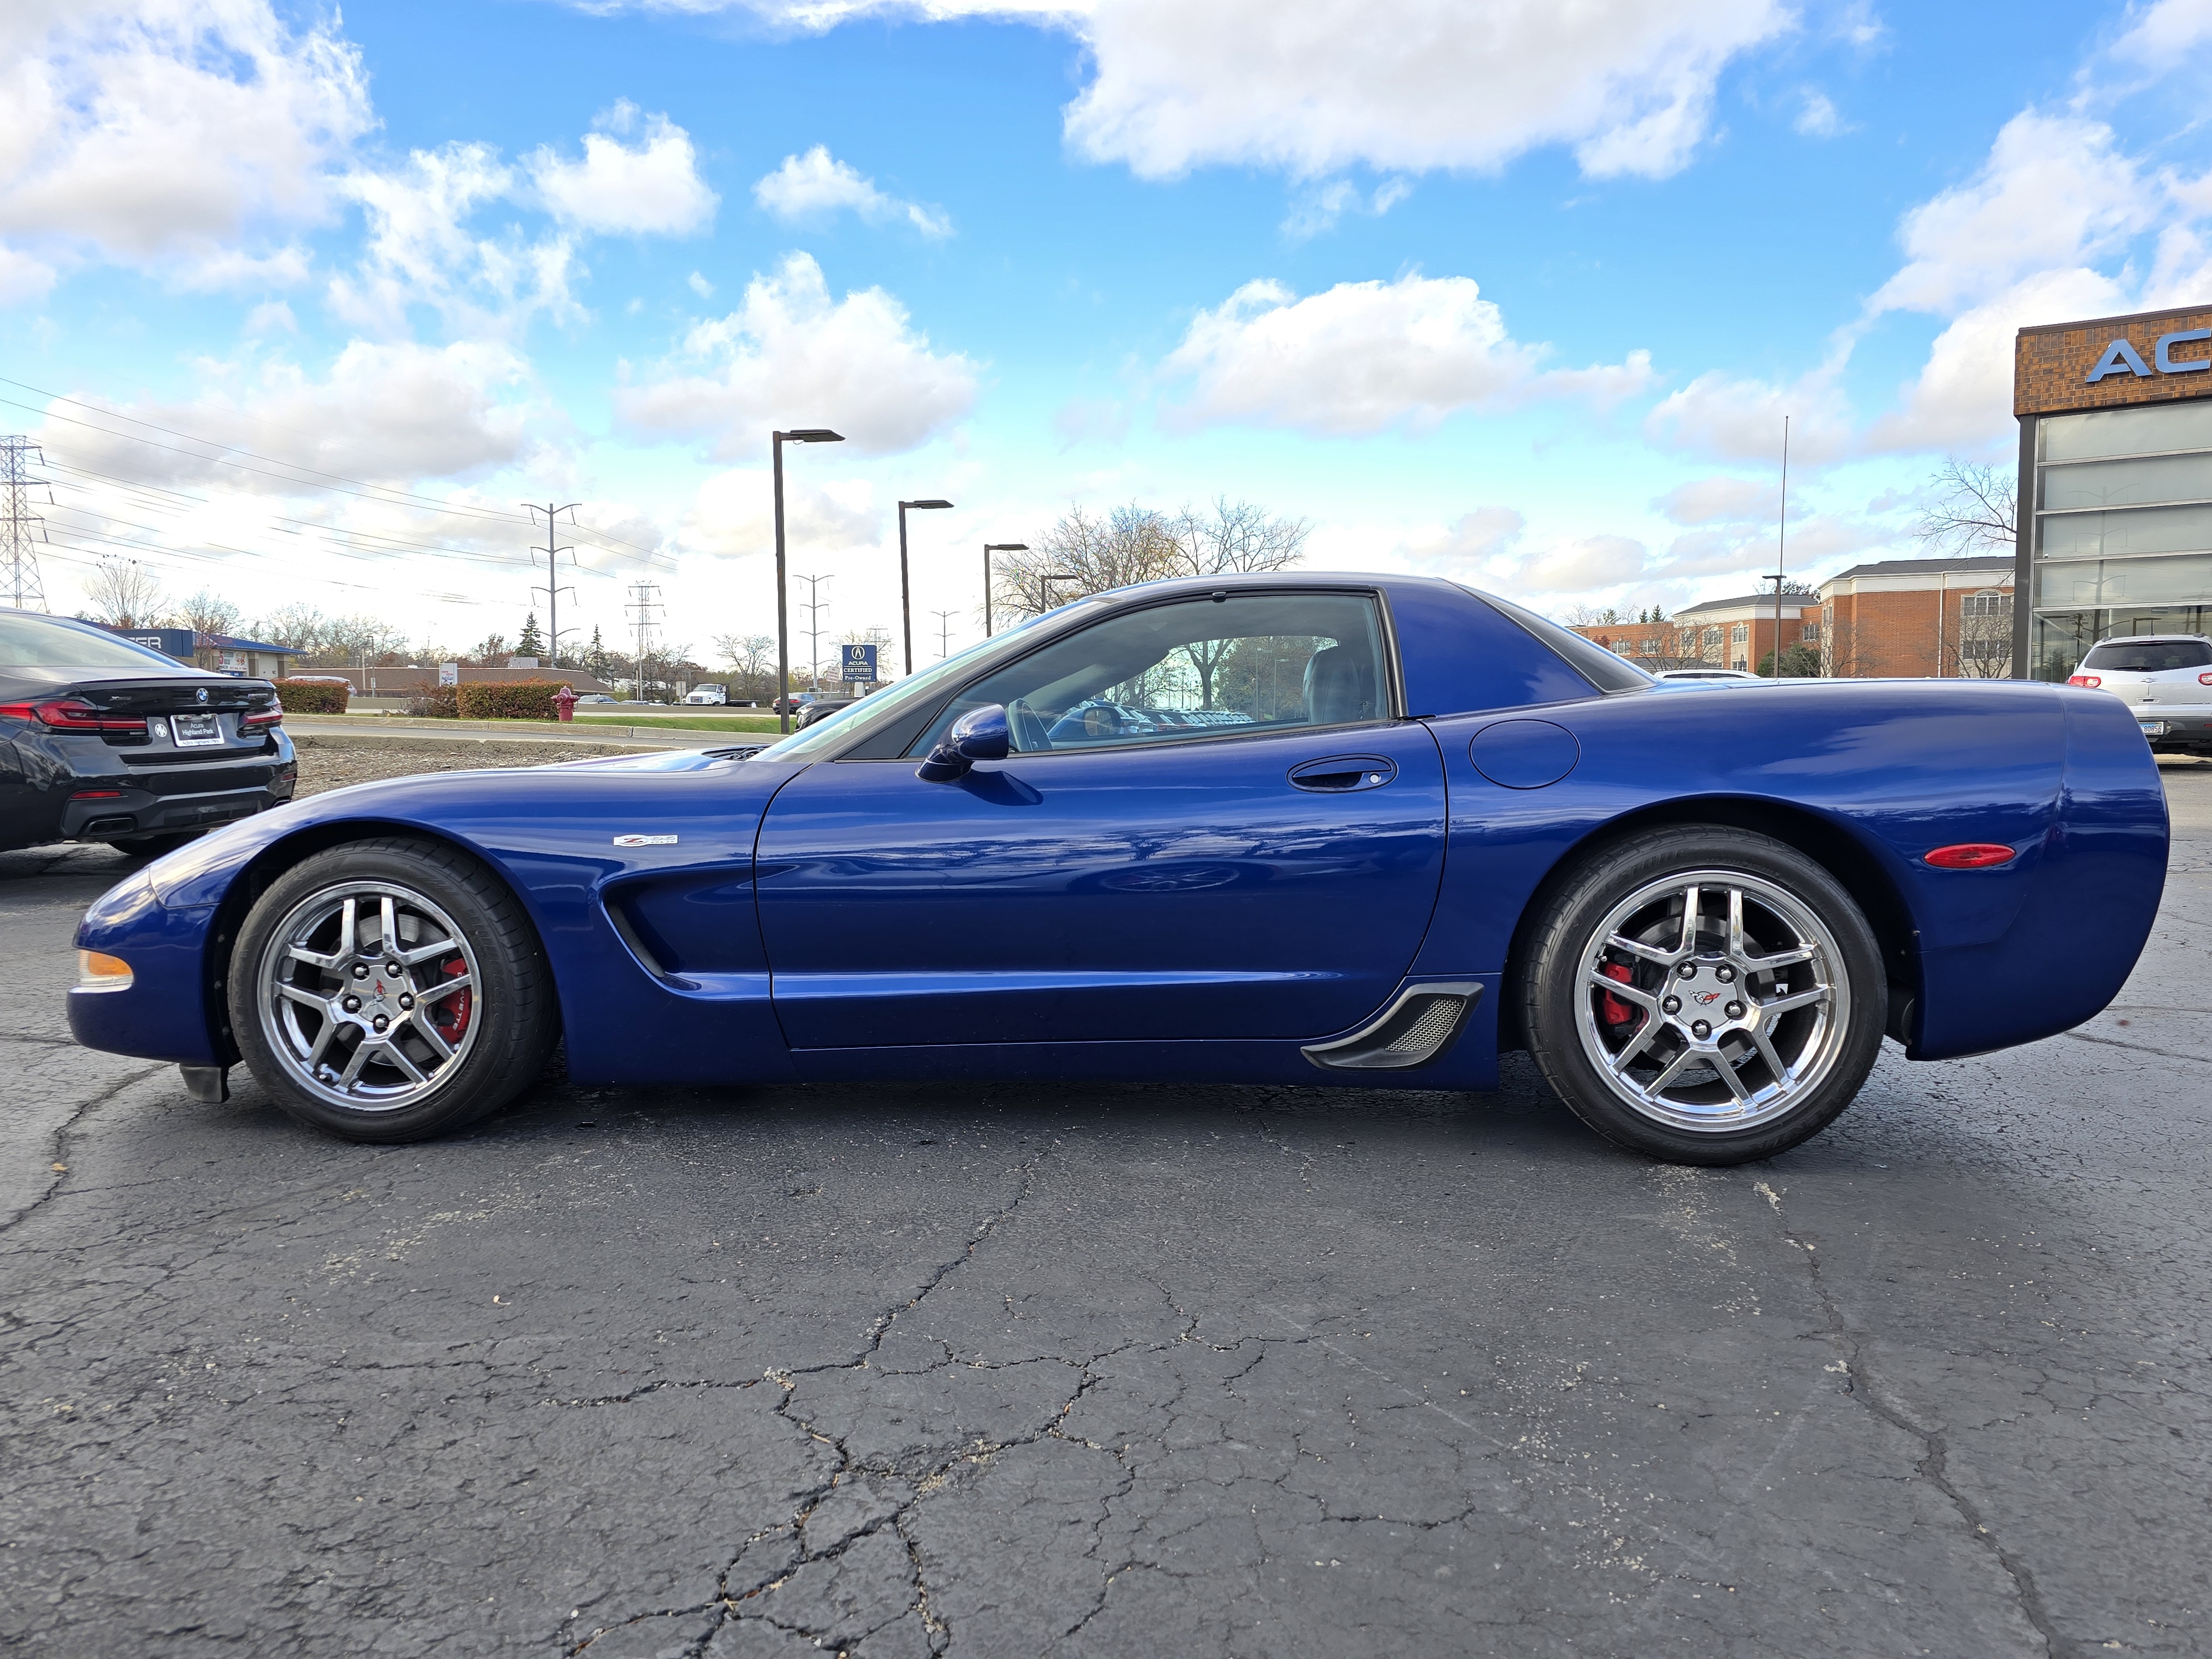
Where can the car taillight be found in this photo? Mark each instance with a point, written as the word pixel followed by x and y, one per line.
pixel 260 719
pixel 2084 679
pixel 69 714
pixel 2205 679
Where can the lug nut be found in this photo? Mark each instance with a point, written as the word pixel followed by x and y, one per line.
pixel 361 970
pixel 1734 1010
pixel 1700 1031
pixel 381 1022
pixel 351 1005
pixel 1725 975
pixel 392 969
pixel 1671 1005
pixel 1688 970
pixel 406 1001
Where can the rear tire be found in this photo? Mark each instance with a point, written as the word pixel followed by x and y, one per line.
pixel 390 990
pixel 1732 1039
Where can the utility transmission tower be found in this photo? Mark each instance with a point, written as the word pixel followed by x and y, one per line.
pixel 553 590
pixel 815 607
pixel 21 529
pixel 944 633
pixel 643 604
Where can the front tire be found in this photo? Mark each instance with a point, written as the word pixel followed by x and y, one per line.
pixel 1705 995
pixel 390 990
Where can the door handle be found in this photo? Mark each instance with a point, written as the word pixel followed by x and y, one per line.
pixel 1343 775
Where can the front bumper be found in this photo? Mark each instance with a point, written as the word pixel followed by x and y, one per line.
pixel 166 1011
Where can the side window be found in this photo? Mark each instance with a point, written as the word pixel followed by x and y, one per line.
pixel 1252 662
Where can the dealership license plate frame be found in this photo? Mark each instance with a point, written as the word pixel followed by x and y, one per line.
pixel 196 731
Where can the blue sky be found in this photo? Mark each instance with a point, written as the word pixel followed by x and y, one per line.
pixel 1503 291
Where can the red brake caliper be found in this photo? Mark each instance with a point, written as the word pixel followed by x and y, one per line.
pixel 451 1014
pixel 1610 1007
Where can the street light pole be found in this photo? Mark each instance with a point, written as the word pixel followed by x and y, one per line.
pixel 810 434
pixel 906 593
pixel 989 548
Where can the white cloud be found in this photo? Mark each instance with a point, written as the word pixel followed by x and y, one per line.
pixel 152 132
pixel 1318 207
pixel 653 188
pixel 1580 566
pixel 23 279
pixel 2166 31
pixel 1409 84
pixel 1962 398
pixel 790 355
pixel 816 184
pixel 1817 116
pixel 1736 418
pixel 2055 192
pixel 1722 501
pixel 697 283
pixel 1365 356
pixel 387 413
pixel 734 515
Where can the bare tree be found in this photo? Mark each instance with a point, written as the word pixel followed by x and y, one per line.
pixel 299 626
pixel 1229 537
pixel 1084 554
pixel 125 593
pixel 751 658
pixel 1979 638
pixel 1975 510
pixel 358 639
pixel 211 616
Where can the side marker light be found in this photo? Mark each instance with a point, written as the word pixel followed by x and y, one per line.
pixel 1969 855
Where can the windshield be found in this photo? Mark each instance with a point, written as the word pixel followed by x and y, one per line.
pixel 2148 656
pixel 833 730
pixel 28 640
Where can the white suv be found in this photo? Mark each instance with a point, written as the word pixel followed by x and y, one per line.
pixel 2167 678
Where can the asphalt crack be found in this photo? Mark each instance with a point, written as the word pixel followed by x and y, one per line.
pixel 1861 1382
pixel 57 1142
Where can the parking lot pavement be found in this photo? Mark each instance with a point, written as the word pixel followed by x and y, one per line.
pixel 899 1371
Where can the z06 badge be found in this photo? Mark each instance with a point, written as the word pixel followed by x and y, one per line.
pixel 644 841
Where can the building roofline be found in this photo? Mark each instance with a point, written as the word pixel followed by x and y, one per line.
pixel 2114 322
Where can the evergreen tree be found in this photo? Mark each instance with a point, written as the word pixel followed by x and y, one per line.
pixel 596 658
pixel 533 643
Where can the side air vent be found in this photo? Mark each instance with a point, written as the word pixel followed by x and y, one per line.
pixel 1420 1024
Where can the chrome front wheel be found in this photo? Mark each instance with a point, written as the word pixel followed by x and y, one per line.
pixel 391 989
pixel 368 995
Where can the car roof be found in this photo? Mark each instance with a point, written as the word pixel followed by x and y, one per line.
pixel 2155 639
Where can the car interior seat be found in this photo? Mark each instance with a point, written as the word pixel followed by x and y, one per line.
pixel 1340 685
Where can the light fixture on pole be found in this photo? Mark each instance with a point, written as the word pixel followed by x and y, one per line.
pixel 906 598
pixel 989 548
pixel 806 435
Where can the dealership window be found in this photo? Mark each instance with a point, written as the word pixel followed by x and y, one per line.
pixel 2122 536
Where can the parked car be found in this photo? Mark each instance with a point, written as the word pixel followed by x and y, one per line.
pixel 102 740
pixel 1705 674
pixel 593 697
pixel 2167 678
pixel 1445 828
pixel 706 694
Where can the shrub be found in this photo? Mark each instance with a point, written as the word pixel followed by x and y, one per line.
pixel 509 699
pixel 437 703
pixel 312 696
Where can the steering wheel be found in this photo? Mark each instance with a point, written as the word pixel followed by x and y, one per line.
pixel 1030 735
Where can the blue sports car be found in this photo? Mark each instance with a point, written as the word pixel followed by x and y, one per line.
pixel 1366 830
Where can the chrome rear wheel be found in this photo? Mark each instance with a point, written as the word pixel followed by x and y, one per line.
pixel 1715 1001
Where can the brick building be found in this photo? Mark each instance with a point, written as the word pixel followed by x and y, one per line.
pixel 2115 534
pixel 1738 633
pixel 1939 619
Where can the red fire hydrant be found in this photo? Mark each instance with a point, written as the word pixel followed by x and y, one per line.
pixel 565 703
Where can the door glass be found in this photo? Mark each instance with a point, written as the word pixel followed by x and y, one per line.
pixel 1167 673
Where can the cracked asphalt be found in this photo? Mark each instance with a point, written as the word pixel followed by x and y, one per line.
pixel 1010 1370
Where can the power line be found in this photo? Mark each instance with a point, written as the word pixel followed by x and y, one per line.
pixel 944 633
pixel 644 605
pixel 21 528
pixel 553 590
pixel 815 607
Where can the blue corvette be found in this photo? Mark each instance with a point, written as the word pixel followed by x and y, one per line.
pixel 1288 828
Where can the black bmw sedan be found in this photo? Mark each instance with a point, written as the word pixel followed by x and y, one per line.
pixel 103 740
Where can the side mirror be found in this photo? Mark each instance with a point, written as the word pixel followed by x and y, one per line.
pixel 979 735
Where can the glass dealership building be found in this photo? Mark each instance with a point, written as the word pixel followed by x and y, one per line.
pixel 2115 527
